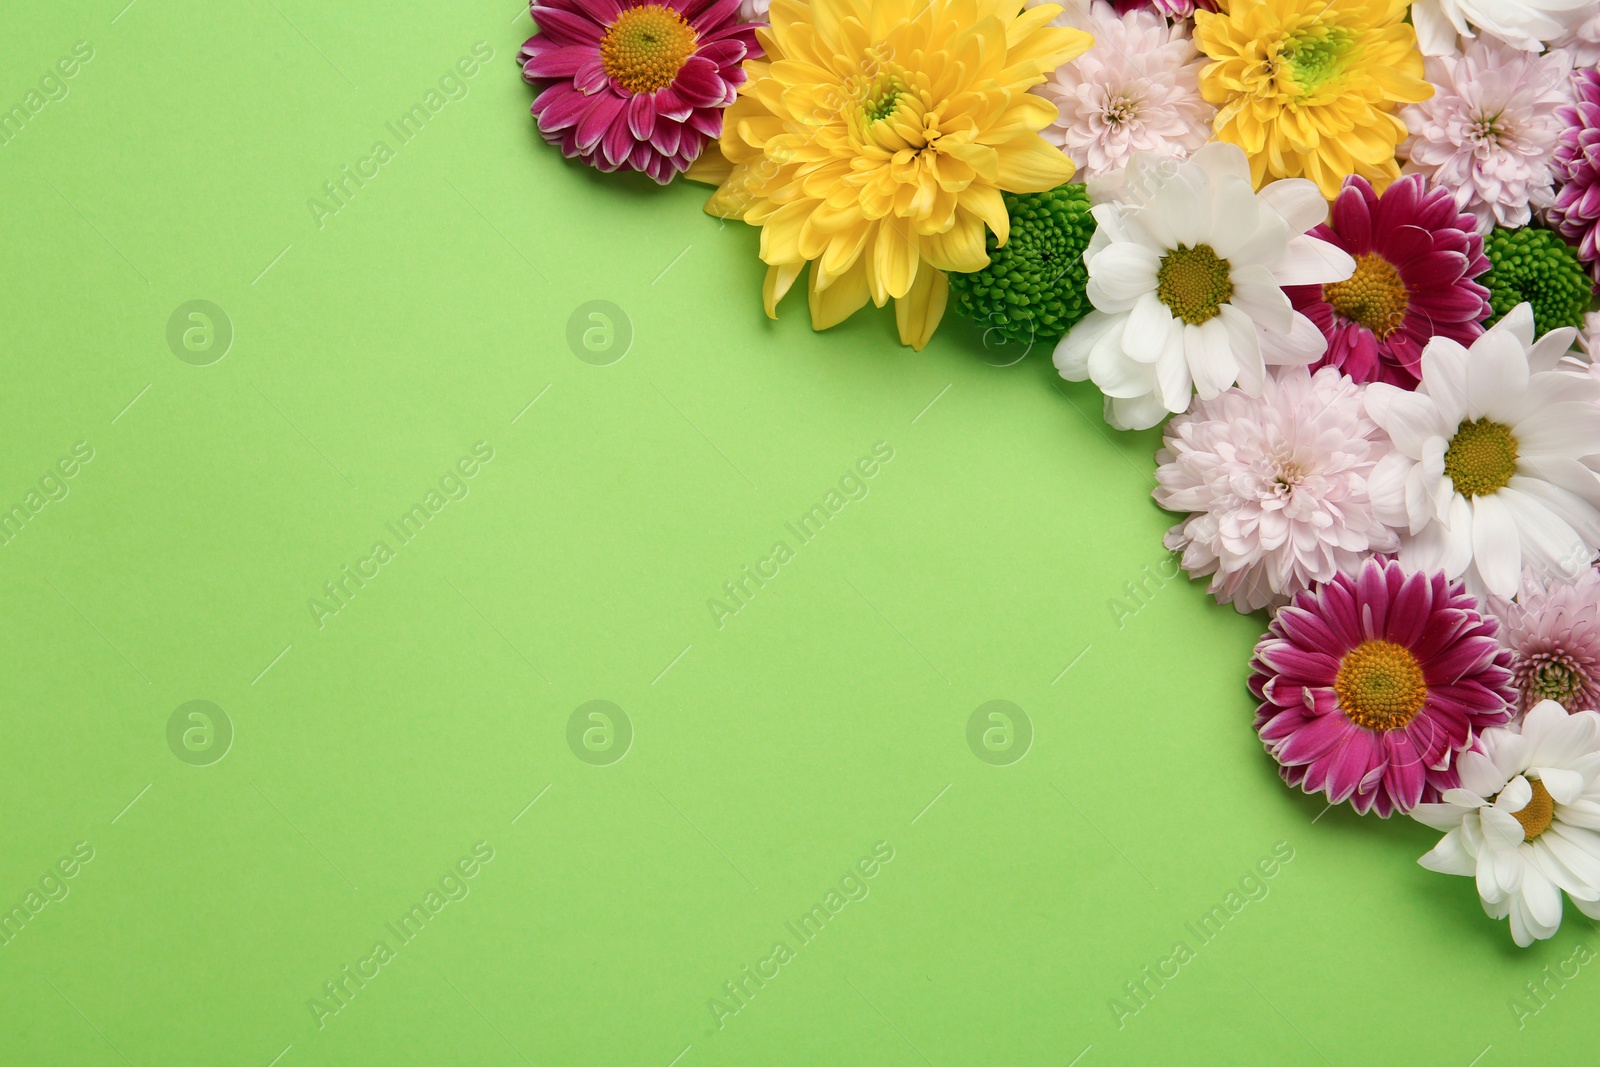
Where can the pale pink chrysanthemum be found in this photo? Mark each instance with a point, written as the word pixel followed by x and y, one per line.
pixel 1136 90
pixel 1490 131
pixel 1276 487
pixel 1553 632
pixel 1589 339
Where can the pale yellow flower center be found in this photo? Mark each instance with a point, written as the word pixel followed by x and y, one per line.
pixel 1380 685
pixel 1373 296
pixel 646 46
pixel 1194 283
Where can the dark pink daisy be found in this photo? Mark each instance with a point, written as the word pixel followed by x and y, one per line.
pixel 1371 685
pixel 1576 214
pixel 1416 257
pixel 636 86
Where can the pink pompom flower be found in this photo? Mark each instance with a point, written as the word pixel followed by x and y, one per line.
pixel 1416 257
pixel 1576 213
pixel 631 85
pixel 1553 632
pixel 1371 685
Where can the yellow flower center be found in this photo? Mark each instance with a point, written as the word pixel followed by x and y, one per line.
pixel 1380 685
pixel 1373 296
pixel 646 46
pixel 1315 57
pixel 1539 813
pixel 883 97
pixel 1194 283
pixel 1481 458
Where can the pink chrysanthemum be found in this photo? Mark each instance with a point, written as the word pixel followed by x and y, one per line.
pixel 1489 132
pixel 1176 9
pixel 1371 685
pixel 1553 632
pixel 1416 257
pixel 1576 214
pixel 631 85
pixel 1276 487
pixel 1583 41
pixel 1136 90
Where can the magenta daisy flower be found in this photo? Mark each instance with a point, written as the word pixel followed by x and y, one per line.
pixel 1576 214
pixel 1416 257
pixel 636 86
pixel 1370 685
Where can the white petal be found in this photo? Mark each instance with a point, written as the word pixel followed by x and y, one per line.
pixel 1479 774
pixel 1410 419
pixel 1221 159
pixel 1310 261
pixel 1303 344
pixel 1245 340
pixel 1563 786
pixel 1566 429
pixel 1496 549
pixel 1134 413
pixel 1515 796
pixel 1449 857
pixel 1211 358
pixel 1120 275
pixel 1235 215
pixel 1072 351
pixel 1150 324
pixel 1497 374
pixel 1518 322
pixel 1175 386
pixel 1258 295
pixel 1299 202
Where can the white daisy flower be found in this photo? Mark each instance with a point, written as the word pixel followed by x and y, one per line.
pixel 1523 820
pixel 1186 269
pixel 1495 462
pixel 1526 24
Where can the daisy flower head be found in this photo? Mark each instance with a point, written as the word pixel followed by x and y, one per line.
pixel 1416 260
pixel 1553 632
pixel 1186 274
pixel 1576 212
pixel 1370 685
pixel 1136 90
pixel 874 141
pixel 1489 133
pixel 635 84
pixel 1276 487
pixel 1524 24
pixel 1523 821
pixel 1495 464
pixel 1309 88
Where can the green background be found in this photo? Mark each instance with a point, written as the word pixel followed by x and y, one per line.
pixel 373 752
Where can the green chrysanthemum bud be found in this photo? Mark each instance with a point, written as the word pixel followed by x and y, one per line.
pixel 1032 289
pixel 1539 267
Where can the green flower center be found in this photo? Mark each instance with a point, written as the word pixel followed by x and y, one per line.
pixel 646 46
pixel 883 98
pixel 1380 685
pixel 1373 296
pixel 1539 812
pixel 1481 458
pixel 1556 679
pixel 1194 283
pixel 1316 57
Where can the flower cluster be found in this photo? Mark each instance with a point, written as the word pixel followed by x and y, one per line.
pixel 1346 252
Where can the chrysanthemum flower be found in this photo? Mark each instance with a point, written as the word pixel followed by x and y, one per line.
pixel 1136 90
pixel 1538 267
pixel 1489 133
pixel 875 140
pixel 635 84
pixel 1185 274
pixel 1033 288
pixel 1309 88
pixel 1495 466
pixel 1370 685
pixel 1523 821
pixel 1583 41
pixel 1553 632
pixel 1276 487
pixel 1416 258
pixel 1524 24
pixel 1576 212
pixel 1176 9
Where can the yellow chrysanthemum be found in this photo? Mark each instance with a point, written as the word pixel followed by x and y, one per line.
pixel 875 138
pixel 1309 88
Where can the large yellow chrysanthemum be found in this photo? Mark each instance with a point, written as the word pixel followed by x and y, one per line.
pixel 875 138
pixel 1309 88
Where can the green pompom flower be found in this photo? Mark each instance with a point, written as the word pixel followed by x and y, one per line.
pixel 1032 289
pixel 1541 268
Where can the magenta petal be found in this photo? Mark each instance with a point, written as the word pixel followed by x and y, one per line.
pixel 565 28
pixel 593 125
pixel 561 62
pixel 642 116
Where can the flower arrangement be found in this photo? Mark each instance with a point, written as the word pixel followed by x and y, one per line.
pixel 1346 253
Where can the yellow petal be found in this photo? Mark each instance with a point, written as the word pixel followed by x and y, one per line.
pixel 843 297
pixel 1032 165
pixel 776 286
pixel 712 167
pixel 917 314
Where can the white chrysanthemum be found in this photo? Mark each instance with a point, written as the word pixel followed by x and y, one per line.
pixel 1276 487
pixel 1523 820
pixel 1495 464
pixel 1525 24
pixel 1489 133
pixel 754 10
pixel 1136 90
pixel 1186 272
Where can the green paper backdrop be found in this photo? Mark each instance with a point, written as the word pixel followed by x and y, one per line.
pixel 395 506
